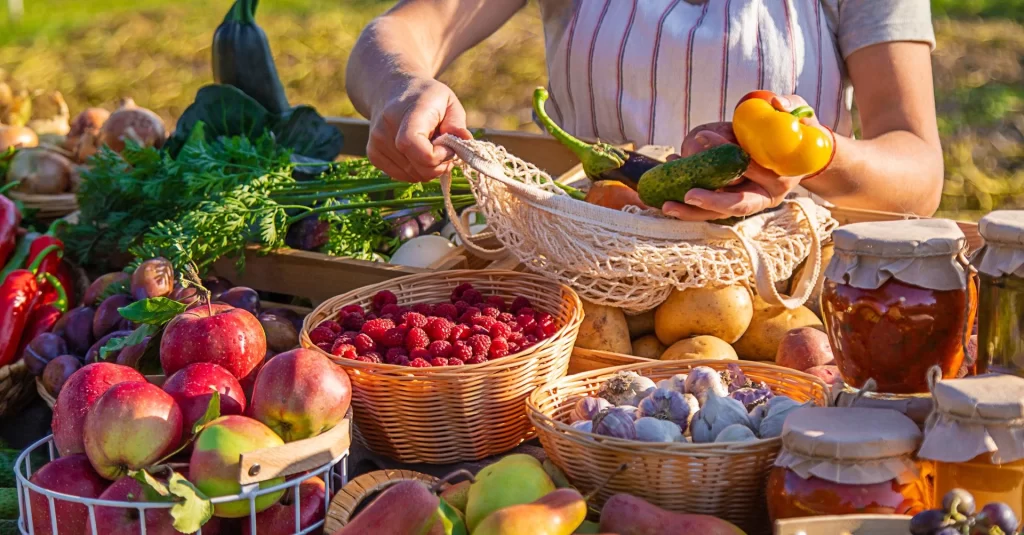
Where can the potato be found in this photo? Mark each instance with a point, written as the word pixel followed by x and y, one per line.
pixel 767 328
pixel 640 324
pixel 648 347
pixel 723 312
pixel 803 348
pixel 829 374
pixel 698 348
pixel 814 301
pixel 604 328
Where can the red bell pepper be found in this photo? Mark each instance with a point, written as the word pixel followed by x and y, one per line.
pixel 10 219
pixel 52 263
pixel 45 315
pixel 18 295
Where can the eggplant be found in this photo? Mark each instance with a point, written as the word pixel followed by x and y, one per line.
pixel 601 161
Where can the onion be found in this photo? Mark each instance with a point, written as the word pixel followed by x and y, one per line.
pixel 422 251
pixel 40 171
pixel 132 122
pixel 17 137
pixel 83 138
pixel 50 114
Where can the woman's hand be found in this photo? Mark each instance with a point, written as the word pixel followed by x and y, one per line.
pixel 404 124
pixel 760 188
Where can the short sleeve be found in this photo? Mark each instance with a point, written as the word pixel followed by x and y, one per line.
pixel 870 22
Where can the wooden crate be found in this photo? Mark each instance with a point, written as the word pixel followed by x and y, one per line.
pixel 318 276
pixel 845 525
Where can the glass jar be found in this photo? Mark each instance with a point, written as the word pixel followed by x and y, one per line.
pixel 1001 312
pixel 848 460
pixel 975 438
pixel 896 302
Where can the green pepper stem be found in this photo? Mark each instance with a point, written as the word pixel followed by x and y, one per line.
pixel 34 266
pixel 9 185
pixel 596 159
pixel 55 226
pixel 61 303
pixel 802 112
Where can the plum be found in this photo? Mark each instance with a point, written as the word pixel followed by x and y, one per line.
pixel 281 333
pixel 93 295
pixel 58 371
pixel 41 350
pixel 286 313
pixel 153 278
pixel 76 328
pixel 308 234
pixel 107 318
pixel 187 296
pixel 216 285
pixel 93 355
pixel 243 298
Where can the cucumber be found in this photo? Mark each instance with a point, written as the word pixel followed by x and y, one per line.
pixel 712 169
pixel 8 504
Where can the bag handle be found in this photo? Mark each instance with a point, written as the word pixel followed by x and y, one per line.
pixel 808 279
pixel 461 224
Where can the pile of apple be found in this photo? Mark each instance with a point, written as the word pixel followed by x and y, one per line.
pixel 122 438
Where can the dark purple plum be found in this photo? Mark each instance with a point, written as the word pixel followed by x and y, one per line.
pixel 107 318
pixel 308 234
pixel 41 350
pixel 77 330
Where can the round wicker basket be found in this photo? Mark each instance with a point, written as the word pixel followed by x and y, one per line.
pixel 452 414
pixel 47 206
pixel 15 388
pixel 364 488
pixel 726 480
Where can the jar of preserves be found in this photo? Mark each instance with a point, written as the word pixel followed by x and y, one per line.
pixel 975 438
pixel 898 300
pixel 848 460
pixel 1000 265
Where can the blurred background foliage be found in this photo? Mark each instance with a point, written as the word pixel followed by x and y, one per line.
pixel 157 52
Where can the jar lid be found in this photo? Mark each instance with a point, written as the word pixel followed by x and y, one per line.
pixel 976 415
pixel 1003 254
pixel 849 445
pixel 922 252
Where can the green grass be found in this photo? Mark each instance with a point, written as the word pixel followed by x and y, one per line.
pixel 1002 9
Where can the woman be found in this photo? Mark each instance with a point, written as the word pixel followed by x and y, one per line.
pixel 670 72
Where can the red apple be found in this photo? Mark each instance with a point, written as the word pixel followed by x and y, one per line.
pixel 300 394
pixel 279 519
pixel 229 337
pixel 78 394
pixel 125 520
pixel 67 475
pixel 192 387
pixel 130 427
pixel 214 466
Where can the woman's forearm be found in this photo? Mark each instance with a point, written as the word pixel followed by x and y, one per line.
pixel 895 172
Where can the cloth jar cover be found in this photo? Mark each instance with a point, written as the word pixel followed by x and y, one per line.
pixel 1003 253
pixel 976 415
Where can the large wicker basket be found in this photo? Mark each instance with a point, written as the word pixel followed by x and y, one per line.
pixel 47 206
pixel 726 480
pixel 453 414
pixel 16 388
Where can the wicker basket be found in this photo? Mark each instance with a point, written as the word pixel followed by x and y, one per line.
pixel 453 414
pixel 15 388
pixel 357 492
pixel 47 206
pixel 726 480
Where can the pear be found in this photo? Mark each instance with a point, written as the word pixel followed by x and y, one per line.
pixel 559 512
pixel 514 480
pixel 457 495
pixel 407 507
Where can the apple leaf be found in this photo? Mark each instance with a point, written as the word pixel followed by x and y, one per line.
pixel 155 490
pixel 193 508
pixel 154 310
pixel 451 519
pixel 137 336
pixel 211 414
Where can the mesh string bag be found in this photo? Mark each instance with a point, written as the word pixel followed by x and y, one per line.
pixel 633 258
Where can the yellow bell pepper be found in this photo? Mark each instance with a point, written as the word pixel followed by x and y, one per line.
pixel 777 140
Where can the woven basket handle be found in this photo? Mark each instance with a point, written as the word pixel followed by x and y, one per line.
pixel 461 224
pixel 808 279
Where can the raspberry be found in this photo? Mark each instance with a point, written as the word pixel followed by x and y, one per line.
pixel 350 334
pixel 364 344
pixel 372 356
pixel 346 350
pixel 415 319
pixel 498 349
pixel 438 328
pixel 370 316
pixel 500 330
pixel 352 309
pixel 459 332
pixel 526 323
pixel 497 302
pixel 420 354
pixel 445 310
pixel 393 310
pixel 326 346
pixel 376 328
pixel 477 360
pixel 401 361
pixel 364 358
pixel 469 314
pixel 353 321
pixel 460 307
pixel 438 361
pixel 416 339
pixel 530 340
pixel 527 311
pixel 507 318
pixel 332 325
pixel 462 351
pixel 388 317
pixel 490 312
pixel 542 317
pixel 419 363
pixel 460 290
pixel 480 343
pixel 483 321
pixel 480 329
pixel 346 339
pixel 518 304
pixel 548 328
pixel 514 347
pixel 455 362
pixel 382 299
pixel 516 338
pixel 473 297
pixel 322 335
pixel 393 337
pixel 440 348
pixel 395 354
pixel 422 309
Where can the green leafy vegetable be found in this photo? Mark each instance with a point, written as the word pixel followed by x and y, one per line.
pixel 154 311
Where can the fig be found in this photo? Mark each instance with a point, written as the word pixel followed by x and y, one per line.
pixel 281 334
pixel 77 329
pixel 153 278
pixel 107 318
pixel 216 285
pixel 286 313
pixel 94 295
pixel 57 372
pixel 243 298
pixel 93 355
pixel 41 350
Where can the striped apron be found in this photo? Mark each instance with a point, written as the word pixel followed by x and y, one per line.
pixel 648 71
